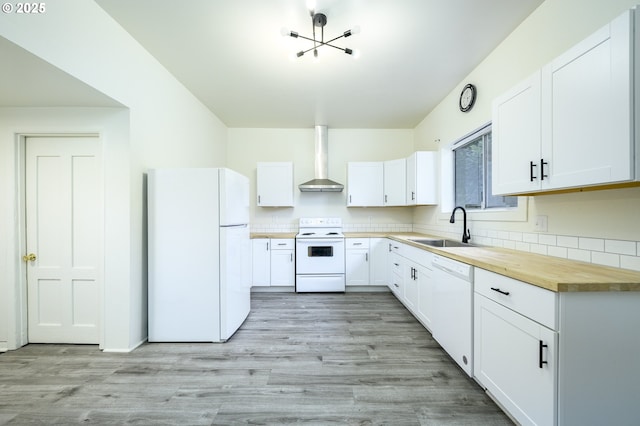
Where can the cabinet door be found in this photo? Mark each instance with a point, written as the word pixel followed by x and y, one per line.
pixel 261 262
pixel 378 261
pixel 515 359
pixel 395 182
pixel 274 184
pixel 357 266
pixel 422 178
pixel 282 268
pixel 516 134
pixel 365 184
pixel 411 289
pixel 587 121
pixel 425 296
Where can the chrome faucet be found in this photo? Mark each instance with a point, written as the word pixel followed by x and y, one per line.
pixel 466 235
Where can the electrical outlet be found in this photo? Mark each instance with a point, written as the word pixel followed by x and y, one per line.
pixel 541 223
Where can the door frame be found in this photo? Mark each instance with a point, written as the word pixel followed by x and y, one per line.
pixel 21 302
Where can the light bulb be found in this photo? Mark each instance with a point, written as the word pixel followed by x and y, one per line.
pixel 355 30
pixel 285 32
pixel 311 5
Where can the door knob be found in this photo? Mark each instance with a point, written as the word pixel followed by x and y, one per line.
pixel 29 257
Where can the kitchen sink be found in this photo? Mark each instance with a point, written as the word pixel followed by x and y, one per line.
pixel 440 243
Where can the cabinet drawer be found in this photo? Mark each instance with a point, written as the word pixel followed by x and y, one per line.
pixel 396 264
pixel 533 302
pixel 396 247
pixel 282 244
pixel 356 243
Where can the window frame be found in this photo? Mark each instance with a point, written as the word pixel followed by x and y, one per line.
pixel 447 190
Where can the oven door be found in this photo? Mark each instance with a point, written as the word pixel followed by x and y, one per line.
pixel 320 256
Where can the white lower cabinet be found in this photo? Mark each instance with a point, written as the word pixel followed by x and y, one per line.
pixel 282 262
pixel 515 359
pixel 357 261
pixel 378 255
pixel 566 358
pixel 261 262
pixel 273 262
pixel 366 261
pixel 411 280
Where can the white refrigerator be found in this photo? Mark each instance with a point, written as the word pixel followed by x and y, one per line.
pixel 199 254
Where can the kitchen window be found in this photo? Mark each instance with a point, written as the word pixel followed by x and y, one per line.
pixel 472 173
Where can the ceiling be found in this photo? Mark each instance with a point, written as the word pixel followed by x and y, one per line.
pixel 28 81
pixel 232 56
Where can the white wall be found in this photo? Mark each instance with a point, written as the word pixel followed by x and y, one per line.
pixel 609 215
pixel 168 126
pixel 249 146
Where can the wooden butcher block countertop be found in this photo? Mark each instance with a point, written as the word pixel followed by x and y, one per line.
pixel 273 235
pixel 552 273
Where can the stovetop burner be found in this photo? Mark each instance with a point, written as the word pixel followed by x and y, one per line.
pixel 320 228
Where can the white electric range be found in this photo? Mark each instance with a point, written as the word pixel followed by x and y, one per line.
pixel 320 261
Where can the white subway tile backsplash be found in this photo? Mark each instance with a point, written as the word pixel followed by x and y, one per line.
pixel 515 236
pixel 581 255
pixel 593 244
pixel 567 241
pixel 607 259
pixel 616 253
pixel 630 262
pixel 509 244
pixel 547 239
pixel 556 251
pixel 539 249
pixel 620 247
pixel 503 235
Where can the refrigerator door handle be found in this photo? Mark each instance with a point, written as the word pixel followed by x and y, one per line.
pixel 243 225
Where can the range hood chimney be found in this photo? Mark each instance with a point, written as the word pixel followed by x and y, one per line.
pixel 321 183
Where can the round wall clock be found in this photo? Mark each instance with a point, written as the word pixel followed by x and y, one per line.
pixel 467 97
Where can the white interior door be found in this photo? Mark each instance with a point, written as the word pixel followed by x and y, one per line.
pixel 63 205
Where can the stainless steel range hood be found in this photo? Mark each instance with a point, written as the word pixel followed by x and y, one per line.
pixel 321 183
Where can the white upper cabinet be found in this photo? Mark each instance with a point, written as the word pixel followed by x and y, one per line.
pixel 274 186
pixel 571 124
pixel 365 182
pixel 395 182
pixel 422 178
pixel 587 127
pixel 516 138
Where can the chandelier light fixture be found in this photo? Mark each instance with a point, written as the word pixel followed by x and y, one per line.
pixel 319 20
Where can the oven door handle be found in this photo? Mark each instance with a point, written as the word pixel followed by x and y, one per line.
pixel 319 241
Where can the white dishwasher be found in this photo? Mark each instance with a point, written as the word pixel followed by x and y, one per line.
pixel 453 313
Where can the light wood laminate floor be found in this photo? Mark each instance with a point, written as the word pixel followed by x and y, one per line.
pixel 321 359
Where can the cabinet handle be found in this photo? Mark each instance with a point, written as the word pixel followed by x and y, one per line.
pixel 357 244
pixel 531 166
pixel 397 264
pixel 541 346
pixel 542 164
pixel 385 198
pixel 506 293
pixel 366 257
pixel 349 199
pixel 397 286
pixel 267 246
pixel 258 199
pixel 291 254
pixel 389 247
pixel 282 244
pixel 413 195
